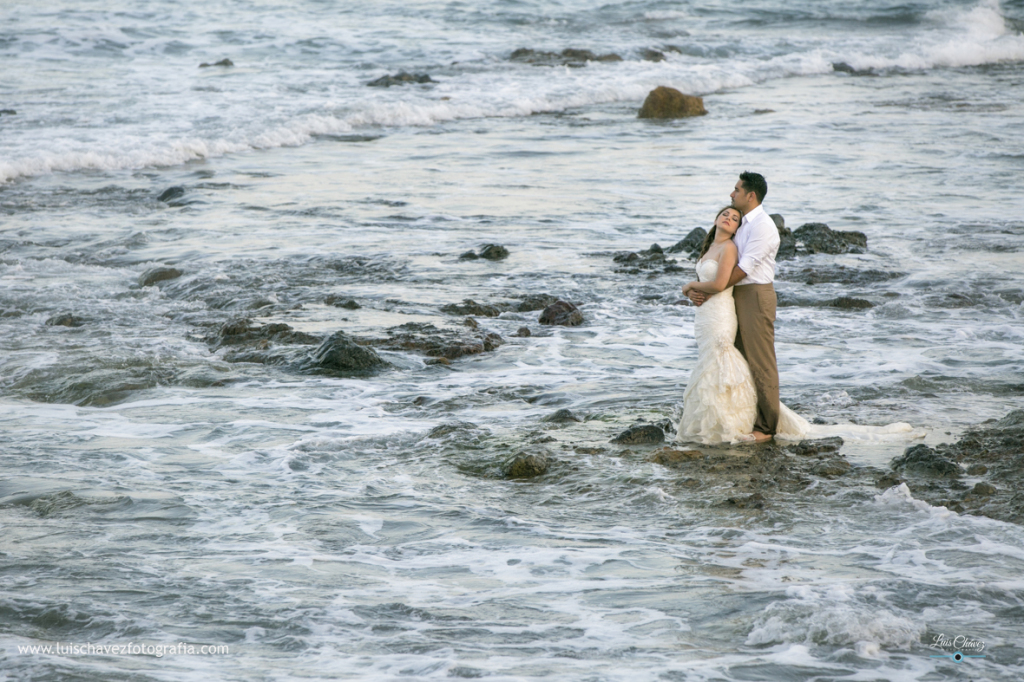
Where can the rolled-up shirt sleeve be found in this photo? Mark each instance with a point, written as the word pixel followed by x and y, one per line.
pixel 760 247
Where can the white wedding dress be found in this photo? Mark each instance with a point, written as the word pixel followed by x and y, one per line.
pixel 720 402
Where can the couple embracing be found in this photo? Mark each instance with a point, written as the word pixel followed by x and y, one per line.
pixel 733 394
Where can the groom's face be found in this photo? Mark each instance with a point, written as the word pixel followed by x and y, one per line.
pixel 742 200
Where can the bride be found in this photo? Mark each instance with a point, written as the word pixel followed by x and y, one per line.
pixel 720 402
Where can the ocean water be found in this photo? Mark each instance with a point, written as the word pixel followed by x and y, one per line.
pixel 320 527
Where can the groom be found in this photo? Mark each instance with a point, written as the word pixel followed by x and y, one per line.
pixel 757 241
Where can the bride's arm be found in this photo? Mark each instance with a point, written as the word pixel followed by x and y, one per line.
pixel 726 262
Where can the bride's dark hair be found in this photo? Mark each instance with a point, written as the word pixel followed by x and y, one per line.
pixel 710 239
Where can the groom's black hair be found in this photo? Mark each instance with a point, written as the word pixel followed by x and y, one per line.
pixel 755 182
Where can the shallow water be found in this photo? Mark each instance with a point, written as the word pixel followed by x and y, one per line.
pixel 155 493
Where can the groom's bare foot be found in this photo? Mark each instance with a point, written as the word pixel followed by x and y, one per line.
pixel 761 437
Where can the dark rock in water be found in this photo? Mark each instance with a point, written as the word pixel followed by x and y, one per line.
pixel 449 428
pixel 838 274
pixel 151 277
pixel 339 352
pixel 780 222
pixel 561 313
pixel 787 242
pixel 651 55
pixel 171 193
pixel 469 255
pixel 342 302
pixel 65 320
pixel 664 102
pixel 525 466
pixel 567 57
pixel 436 343
pixel 8 112
pixel 494 252
pixel 843 67
pixel 223 62
pixel 888 481
pixel 755 501
pixel 535 302
pixel 921 459
pixel 690 244
pixel 820 238
pixel 652 262
pixel 241 332
pixel 471 307
pixel 561 417
pixel 850 303
pixel 984 489
pixel 671 457
pixel 400 79
pixel 809 448
pixel 471 323
pixel 832 468
pixel 523 331
pixel 642 434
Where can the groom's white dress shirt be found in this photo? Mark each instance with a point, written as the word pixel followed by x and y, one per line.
pixel 757 241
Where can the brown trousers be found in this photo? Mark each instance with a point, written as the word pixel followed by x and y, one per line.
pixel 755 339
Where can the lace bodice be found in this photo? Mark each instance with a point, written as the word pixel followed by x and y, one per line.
pixel 715 321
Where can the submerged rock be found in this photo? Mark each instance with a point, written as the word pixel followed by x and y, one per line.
pixel 561 417
pixel 241 332
pixel 641 434
pixel 838 274
pixel 401 78
pixel 651 262
pixel 523 332
pixel 471 307
pixel 162 274
pixel 523 465
pixel 568 57
pixel 65 320
pixel 171 193
pixel 664 102
pixel 672 457
pixel 223 62
pixel 561 313
pixel 342 302
pixel 436 343
pixel 811 447
pixel 494 252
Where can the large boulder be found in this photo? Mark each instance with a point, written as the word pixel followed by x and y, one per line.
pixel 666 102
pixel 561 313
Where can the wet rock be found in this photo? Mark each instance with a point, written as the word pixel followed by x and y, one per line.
pixel 843 67
pixel 838 274
pixel 664 102
pixel 561 417
pixel 561 313
pixel 587 450
pixel 652 55
pixel 984 489
pixel 434 342
pixel 223 62
pixel 651 262
pixel 339 352
pixel 641 434
pixel 8 112
pixel 754 501
pixel 921 459
pixel 820 238
pixel 810 448
pixel 523 332
pixel 534 302
pixel 690 244
pixel 171 193
pixel 977 470
pixel 494 252
pixel 241 332
pixel 568 57
pixel 889 480
pixel 850 303
pixel 450 428
pixel 832 467
pixel 471 307
pixel 401 78
pixel 471 323
pixel 342 302
pixel 672 457
pixel 525 466
pixel 469 255
pixel 154 275
pixel 65 320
